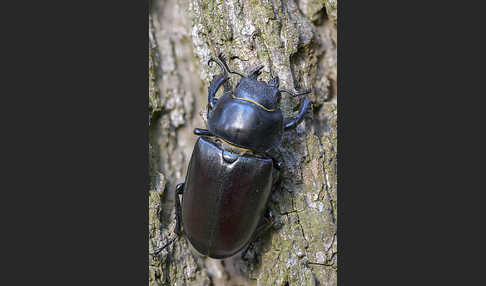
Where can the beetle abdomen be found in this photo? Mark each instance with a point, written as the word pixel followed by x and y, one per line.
pixel 223 199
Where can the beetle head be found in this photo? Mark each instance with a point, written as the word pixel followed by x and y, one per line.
pixel 257 91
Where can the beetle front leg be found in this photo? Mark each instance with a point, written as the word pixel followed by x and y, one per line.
pixel 218 80
pixel 293 122
pixel 216 83
pixel 202 132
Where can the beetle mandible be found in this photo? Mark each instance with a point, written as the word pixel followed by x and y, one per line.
pixel 230 174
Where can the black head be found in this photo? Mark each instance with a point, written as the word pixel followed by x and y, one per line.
pixel 258 92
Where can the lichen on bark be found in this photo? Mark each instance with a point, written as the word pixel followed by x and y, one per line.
pixel 297 42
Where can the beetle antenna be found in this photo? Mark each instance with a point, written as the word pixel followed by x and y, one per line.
pixel 223 70
pixel 163 247
pixel 295 94
pixel 224 67
pixel 223 60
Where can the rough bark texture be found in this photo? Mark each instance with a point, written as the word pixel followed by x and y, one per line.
pixel 295 40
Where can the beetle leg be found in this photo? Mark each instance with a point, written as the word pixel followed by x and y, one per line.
pixel 269 221
pixel 177 229
pixel 163 247
pixel 243 254
pixel 293 122
pixel 276 164
pixel 202 132
pixel 216 83
pixel 218 80
pixel 276 173
pixel 179 191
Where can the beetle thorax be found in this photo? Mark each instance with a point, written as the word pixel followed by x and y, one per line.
pixel 244 123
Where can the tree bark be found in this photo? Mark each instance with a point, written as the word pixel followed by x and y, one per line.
pixel 295 40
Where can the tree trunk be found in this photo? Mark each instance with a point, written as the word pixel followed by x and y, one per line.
pixel 297 42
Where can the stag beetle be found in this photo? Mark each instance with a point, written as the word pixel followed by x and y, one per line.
pixel 230 174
